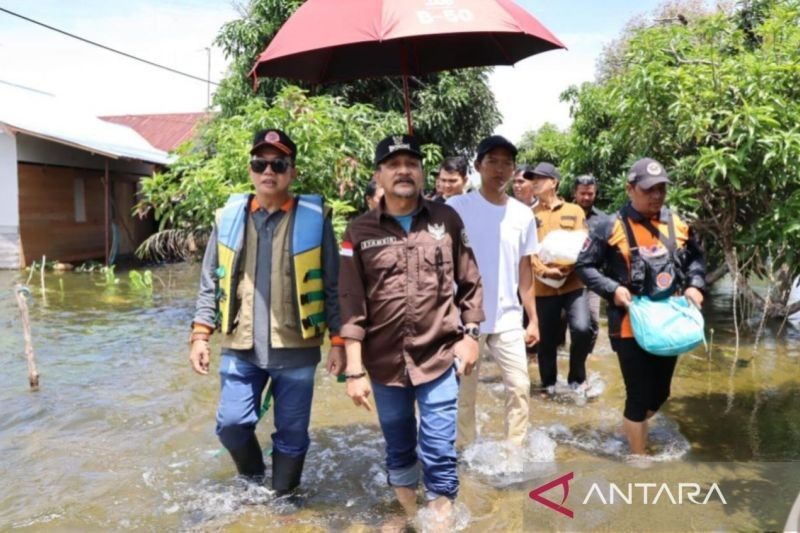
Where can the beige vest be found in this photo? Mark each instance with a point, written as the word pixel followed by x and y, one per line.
pixel 283 313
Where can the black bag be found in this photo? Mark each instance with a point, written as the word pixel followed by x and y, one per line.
pixel 656 272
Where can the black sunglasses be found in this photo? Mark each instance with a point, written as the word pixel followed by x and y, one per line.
pixel 585 180
pixel 279 166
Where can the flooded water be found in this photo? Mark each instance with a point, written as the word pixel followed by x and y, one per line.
pixel 121 434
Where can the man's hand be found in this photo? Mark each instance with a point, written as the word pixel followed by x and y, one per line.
pixel 622 297
pixel 336 360
pixel 359 391
pixel 532 333
pixel 467 352
pixel 553 273
pixel 694 295
pixel 200 356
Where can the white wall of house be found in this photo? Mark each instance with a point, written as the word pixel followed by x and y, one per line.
pixel 9 201
pixel 35 150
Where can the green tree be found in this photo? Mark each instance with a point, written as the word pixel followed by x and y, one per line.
pixel 548 143
pixel 335 144
pixel 452 109
pixel 717 100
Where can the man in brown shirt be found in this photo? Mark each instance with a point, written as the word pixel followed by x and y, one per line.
pixel 409 281
pixel 558 287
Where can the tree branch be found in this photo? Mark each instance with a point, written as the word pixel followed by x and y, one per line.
pixel 682 60
pixel 717 274
pixel 792 309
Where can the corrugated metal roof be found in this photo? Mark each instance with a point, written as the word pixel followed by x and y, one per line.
pixel 164 131
pixel 45 116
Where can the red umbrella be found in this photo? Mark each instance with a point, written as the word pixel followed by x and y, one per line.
pixel 337 40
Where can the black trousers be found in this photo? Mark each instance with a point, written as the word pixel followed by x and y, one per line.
pixel 647 378
pixel 575 305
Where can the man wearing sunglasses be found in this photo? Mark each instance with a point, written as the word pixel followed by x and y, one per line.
pixel 269 284
pixel 585 195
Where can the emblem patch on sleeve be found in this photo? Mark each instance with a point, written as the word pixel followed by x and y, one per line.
pixel 465 238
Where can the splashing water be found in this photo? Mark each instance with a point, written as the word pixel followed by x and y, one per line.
pixel 427 521
pixel 503 463
pixel 666 441
pixel 562 392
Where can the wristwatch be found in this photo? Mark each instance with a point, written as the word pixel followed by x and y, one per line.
pixel 472 331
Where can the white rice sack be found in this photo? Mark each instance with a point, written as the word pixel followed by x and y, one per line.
pixel 562 247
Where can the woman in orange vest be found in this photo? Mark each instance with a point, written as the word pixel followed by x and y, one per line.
pixel 644 249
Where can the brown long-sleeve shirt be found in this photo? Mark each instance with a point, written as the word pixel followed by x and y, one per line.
pixel 405 296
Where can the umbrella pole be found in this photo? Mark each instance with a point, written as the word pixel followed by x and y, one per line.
pixel 406 91
pixel 407 98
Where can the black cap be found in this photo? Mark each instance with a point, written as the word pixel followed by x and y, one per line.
pixel 548 170
pixel 275 138
pixel 647 172
pixel 495 141
pixel 525 170
pixel 394 144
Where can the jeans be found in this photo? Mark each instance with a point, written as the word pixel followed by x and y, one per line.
pixel 434 447
pixel 242 384
pixel 576 306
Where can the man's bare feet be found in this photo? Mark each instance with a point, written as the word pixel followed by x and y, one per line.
pixel 408 499
pixel 441 515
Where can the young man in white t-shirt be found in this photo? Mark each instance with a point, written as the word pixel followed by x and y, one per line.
pixel 502 234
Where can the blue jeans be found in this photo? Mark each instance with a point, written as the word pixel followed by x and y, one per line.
pixel 242 384
pixel 438 405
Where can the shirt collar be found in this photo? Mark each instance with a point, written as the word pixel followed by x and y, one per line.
pixel 380 210
pixel 636 216
pixel 286 207
pixel 557 203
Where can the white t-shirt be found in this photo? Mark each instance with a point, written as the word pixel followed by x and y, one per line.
pixel 500 235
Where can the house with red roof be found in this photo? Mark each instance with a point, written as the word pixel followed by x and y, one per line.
pixel 164 131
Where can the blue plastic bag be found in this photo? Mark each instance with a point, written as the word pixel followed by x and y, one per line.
pixel 666 327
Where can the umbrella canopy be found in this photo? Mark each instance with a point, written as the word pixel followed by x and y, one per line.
pixel 337 40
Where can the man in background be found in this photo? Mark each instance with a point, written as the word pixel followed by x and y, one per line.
pixel 452 178
pixel 585 195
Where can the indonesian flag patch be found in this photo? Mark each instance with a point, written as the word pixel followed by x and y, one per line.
pixel 346 249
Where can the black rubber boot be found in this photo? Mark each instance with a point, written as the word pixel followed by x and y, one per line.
pixel 286 472
pixel 249 460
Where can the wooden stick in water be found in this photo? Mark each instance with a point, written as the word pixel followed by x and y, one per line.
pixel 33 374
pixel 44 295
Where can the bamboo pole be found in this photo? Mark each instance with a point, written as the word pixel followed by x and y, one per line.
pixel 33 374
pixel 44 293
